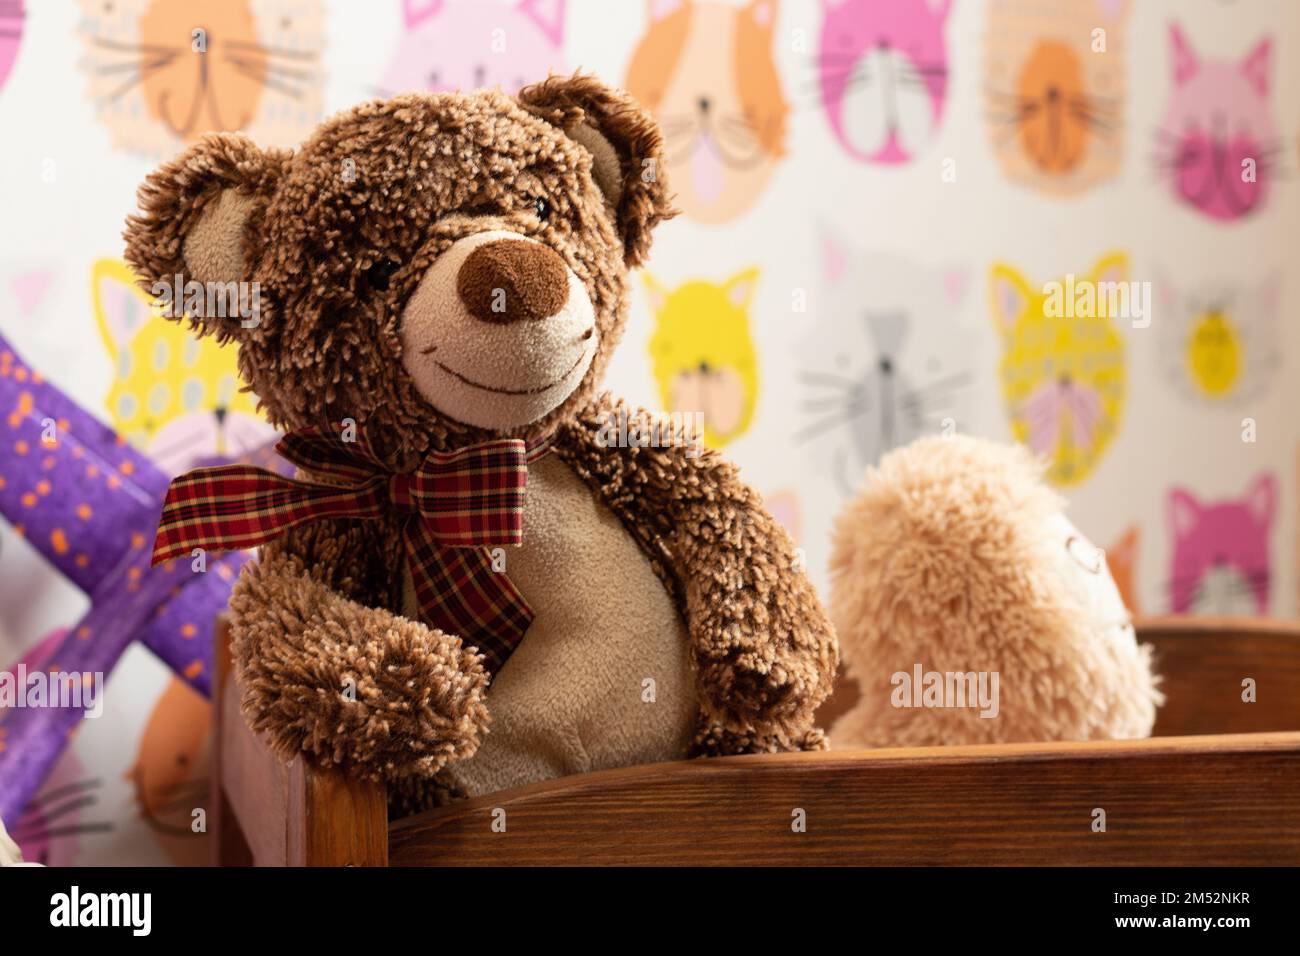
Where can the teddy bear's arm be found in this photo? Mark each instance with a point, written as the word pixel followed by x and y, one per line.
pixel 764 649
pixel 327 673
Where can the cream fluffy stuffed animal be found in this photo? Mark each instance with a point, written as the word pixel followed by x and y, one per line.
pixel 970 609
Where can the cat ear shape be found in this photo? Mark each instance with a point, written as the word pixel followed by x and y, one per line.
pixel 1185 62
pixel 740 288
pixel 656 10
pixel 120 308
pixel 1010 294
pixel 1112 267
pixel 1166 292
pixel 1261 499
pixel 1258 66
pixel 835 253
pixel 549 17
pixel 200 219
pixel 1184 512
pixel 1113 9
pixel 415 12
pixel 940 8
pixel 657 293
pixel 626 147
pixel 1125 549
pixel 763 13
pixel 1270 293
pixel 954 282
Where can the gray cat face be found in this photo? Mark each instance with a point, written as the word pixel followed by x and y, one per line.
pixel 879 364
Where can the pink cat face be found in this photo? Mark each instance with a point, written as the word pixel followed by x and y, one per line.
pixel 450 45
pixel 1221 553
pixel 884 74
pixel 1219 140
pixel 12 16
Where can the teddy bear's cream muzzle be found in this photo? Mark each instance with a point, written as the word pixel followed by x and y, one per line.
pixel 499 332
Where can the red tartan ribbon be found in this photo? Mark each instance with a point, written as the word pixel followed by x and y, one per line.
pixel 458 503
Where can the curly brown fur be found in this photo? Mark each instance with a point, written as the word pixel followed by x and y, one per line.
pixel 401 181
pixel 325 672
pixel 712 741
pixel 411 795
pixel 566 101
pixel 765 651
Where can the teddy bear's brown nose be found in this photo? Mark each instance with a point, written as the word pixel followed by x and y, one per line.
pixel 512 280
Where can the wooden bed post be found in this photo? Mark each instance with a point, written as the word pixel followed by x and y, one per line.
pixel 271 813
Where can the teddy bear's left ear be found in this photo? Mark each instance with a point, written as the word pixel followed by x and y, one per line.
pixel 626 149
pixel 200 217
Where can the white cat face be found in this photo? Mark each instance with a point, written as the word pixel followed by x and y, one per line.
pixel 882 360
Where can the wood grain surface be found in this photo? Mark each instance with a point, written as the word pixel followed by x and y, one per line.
pixel 1219 800
pixel 1220 785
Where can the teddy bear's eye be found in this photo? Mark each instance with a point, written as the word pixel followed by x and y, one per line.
pixel 542 208
pixel 379 273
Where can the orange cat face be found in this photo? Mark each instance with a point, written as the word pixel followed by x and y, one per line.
pixel 171 771
pixel 164 72
pixel 706 71
pixel 1055 91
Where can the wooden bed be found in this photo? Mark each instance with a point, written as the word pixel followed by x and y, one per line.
pixel 1218 784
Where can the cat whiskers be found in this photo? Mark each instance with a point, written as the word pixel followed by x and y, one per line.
pixel 271 52
pixel 921 76
pixel 265 64
pixel 143 60
pixel 35 822
pixel 843 408
pixel 736 136
pixel 939 394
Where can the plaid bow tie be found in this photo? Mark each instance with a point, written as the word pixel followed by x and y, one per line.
pixel 459 503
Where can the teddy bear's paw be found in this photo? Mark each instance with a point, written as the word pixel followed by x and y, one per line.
pixel 360 687
pixel 712 740
pixel 408 796
pixel 756 693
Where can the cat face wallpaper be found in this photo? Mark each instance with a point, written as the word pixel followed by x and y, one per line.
pixel 707 70
pixel 492 431
pixel 161 73
pixel 1055 91
pixel 1218 148
pixel 883 75
pixel 873 374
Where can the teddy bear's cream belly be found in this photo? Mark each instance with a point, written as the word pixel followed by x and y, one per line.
pixel 576 695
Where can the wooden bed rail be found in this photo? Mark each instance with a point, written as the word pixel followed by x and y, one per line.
pixel 1177 801
pixel 1228 795
pixel 1202 662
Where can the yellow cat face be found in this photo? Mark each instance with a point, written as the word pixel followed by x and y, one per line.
pixel 1214 353
pixel 174 395
pixel 1062 371
pixel 1217 341
pixel 704 358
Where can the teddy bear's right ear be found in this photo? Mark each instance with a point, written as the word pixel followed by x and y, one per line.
pixel 200 217
pixel 626 147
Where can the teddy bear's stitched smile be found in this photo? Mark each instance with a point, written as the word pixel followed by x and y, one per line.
pixel 509 391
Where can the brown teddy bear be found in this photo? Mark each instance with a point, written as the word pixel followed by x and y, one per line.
pixel 441 281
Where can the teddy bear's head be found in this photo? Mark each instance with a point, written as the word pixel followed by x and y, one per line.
pixel 436 267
